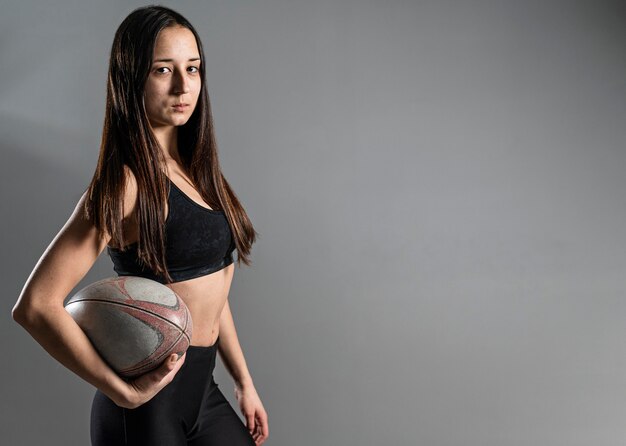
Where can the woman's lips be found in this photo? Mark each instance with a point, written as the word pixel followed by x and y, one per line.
pixel 180 107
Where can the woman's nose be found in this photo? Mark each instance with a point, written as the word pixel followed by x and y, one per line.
pixel 181 83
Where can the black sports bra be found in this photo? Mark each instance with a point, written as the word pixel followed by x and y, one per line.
pixel 198 241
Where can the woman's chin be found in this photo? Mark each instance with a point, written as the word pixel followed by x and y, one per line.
pixel 172 122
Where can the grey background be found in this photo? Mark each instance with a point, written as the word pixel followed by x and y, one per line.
pixel 439 188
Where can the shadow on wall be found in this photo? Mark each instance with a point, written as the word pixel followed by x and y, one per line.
pixel 39 191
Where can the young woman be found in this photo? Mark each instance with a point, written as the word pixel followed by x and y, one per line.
pixel 160 205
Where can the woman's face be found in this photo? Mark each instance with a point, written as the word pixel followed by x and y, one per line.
pixel 174 78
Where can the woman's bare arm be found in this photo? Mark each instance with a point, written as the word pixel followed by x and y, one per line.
pixel 245 392
pixel 39 309
pixel 230 350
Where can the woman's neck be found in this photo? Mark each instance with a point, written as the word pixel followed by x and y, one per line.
pixel 168 140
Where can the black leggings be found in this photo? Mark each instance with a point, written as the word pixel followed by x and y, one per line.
pixel 189 411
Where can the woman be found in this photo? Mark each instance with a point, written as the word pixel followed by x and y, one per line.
pixel 159 203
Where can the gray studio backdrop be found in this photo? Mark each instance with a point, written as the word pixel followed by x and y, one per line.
pixel 439 191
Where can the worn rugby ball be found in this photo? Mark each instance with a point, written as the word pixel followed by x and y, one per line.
pixel 134 323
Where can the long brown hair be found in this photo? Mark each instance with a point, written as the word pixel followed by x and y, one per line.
pixel 127 140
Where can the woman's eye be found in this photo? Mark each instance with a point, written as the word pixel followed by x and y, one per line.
pixel 194 68
pixel 162 68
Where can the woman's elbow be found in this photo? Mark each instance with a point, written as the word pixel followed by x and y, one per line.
pixel 25 312
pixel 20 314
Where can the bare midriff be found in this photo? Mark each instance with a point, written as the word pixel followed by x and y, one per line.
pixel 205 297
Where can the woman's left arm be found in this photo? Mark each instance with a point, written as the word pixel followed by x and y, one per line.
pixel 245 392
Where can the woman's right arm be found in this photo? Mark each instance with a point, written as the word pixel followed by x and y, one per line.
pixel 39 309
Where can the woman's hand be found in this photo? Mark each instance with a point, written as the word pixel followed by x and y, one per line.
pixel 254 413
pixel 143 388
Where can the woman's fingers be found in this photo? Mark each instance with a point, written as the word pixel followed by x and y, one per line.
pixel 154 377
pixel 250 420
pixel 265 428
pixel 262 430
pixel 149 384
pixel 173 365
pixel 167 366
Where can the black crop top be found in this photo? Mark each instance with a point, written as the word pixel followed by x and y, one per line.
pixel 198 241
